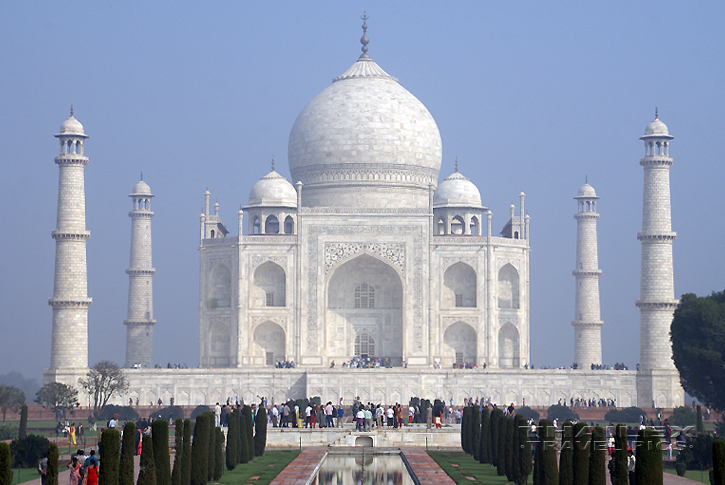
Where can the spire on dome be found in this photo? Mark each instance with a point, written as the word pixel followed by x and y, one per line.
pixel 656 116
pixel 273 163
pixel 71 109
pixel 141 175
pixel 364 39
pixel 456 163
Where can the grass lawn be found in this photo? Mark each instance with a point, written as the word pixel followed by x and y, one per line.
pixel 459 466
pixel 21 475
pixel 693 475
pixel 265 468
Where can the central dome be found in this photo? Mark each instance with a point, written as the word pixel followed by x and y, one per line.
pixel 365 141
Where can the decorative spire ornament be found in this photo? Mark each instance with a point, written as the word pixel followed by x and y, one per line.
pixel 364 39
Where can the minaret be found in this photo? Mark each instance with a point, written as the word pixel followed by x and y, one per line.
pixel 587 317
pixel 657 292
pixel 70 300
pixel 140 320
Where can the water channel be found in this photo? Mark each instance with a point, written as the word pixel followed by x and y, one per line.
pixel 363 469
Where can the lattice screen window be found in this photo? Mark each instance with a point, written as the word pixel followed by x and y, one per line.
pixel 270 298
pixel 270 358
pixel 365 296
pixel 364 345
pixel 459 299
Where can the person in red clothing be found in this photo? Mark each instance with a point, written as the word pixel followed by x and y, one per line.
pixel 91 477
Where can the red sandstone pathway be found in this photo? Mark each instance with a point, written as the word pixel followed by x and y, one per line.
pixel 301 468
pixel 427 470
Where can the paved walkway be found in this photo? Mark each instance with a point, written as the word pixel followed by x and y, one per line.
pixel 300 470
pixel 425 468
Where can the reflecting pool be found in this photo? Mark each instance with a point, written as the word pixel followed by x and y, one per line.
pixel 363 469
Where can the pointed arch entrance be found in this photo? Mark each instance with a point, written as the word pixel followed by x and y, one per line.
pixel 364 311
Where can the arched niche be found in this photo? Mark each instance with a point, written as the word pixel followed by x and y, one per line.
pixel 508 287
pixel 271 225
pixel 459 344
pixel 219 346
pixel 289 225
pixel 474 226
pixel 352 283
pixel 268 287
pixel 458 226
pixel 269 343
pixel 508 346
pixel 219 287
pixel 459 286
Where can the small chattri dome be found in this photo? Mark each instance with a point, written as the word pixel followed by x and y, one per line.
pixel 141 188
pixel 272 190
pixel 656 128
pixel 71 126
pixel 456 190
pixel 586 191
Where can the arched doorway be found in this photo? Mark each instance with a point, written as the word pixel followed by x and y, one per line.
pixel 459 286
pixel 219 288
pixel 269 344
pixel 459 345
pixel 508 347
pixel 269 285
pixel 508 287
pixel 364 307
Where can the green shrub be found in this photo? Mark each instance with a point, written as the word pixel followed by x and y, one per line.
pixel 597 458
pixel 566 457
pixel 509 449
pixel 484 445
pixel 683 416
pixel 528 413
pixel 523 451
pixel 178 451
pixel 648 467
pixel 200 451
pixel 211 458
pixel 232 440
pixel 465 418
pixel 581 454
pixel 626 415
pixel 125 464
pixel 147 466
pixel 160 440
pixel 6 472
pixel 260 431
pixel 51 478
pixel 495 416
pixel 620 464
pixel 28 451
pixel 247 415
pixel 218 454
pixel 7 432
pixel 548 471
pixel 680 468
pixel 475 434
pixel 23 429
pixel 560 412
pixel 169 413
pixel 698 452
pixel 186 454
pixel 125 413
pixel 718 462
pixel 109 453
pixel 501 466
pixel 199 410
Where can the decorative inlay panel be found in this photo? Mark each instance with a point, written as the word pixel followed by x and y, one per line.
pixel 280 260
pixel 448 262
pixel 337 252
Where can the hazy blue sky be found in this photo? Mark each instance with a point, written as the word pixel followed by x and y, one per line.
pixel 527 94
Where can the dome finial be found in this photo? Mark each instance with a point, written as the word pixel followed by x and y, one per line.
pixel 656 116
pixel 141 175
pixel 71 109
pixel 364 39
pixel 586 179
pixel 273 163
pixel 456 163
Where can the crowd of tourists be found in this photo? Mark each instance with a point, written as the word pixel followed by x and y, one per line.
pixel 285 364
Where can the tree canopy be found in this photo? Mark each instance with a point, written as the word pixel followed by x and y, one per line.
pixel 11 399
pixel 698 346
pixel 103 381
pixel 57 396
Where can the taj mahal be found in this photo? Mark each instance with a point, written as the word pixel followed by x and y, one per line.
pixel 369 252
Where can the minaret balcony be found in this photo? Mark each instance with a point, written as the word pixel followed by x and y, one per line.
pixel 70 302
pixel 661 237
pixel 140 271
pixel 72 236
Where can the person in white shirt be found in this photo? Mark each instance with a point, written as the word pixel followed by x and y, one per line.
pixel 275 415
pixel 411 413
pixel 308 416
pixel 390 413
pixel 217 415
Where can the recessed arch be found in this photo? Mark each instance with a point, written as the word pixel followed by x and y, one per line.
pixel 474 226
pixel 219 345
pixel 271 225
pixel 508 346
pixel 459 346
pixel 458 226
pixel 508 287
pixel 459 286
pixel 289 225
pixel 269 285
pixel 269 343
pixel 219 288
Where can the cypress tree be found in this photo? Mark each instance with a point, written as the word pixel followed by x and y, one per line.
pixel 211 458
pixel 160 440
pixel 718 462
pixel 178 451
pixel 109 455
pixel 567 455
pixel 495 424
pixel 515 451
pixel 548 471
pixel 232 431
pixel 200 451
pixel 465 417
pixel 186 454
pixel 648 466
pixel 51 478
pixel 700 423
pixel 524 451
pixel 476 433
pixel 218 454
pixel 240 431
pixel 621 476
pixel 247 413
pixel 581 454
pixel 536 476
pixel 501 466
pixel 147 468
pixel 23 430
pixel 243 449
pixel 260 431
pixel 6 473
pixel 125 464
pixel 484 444
pixel 597 458
pixel 509 449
